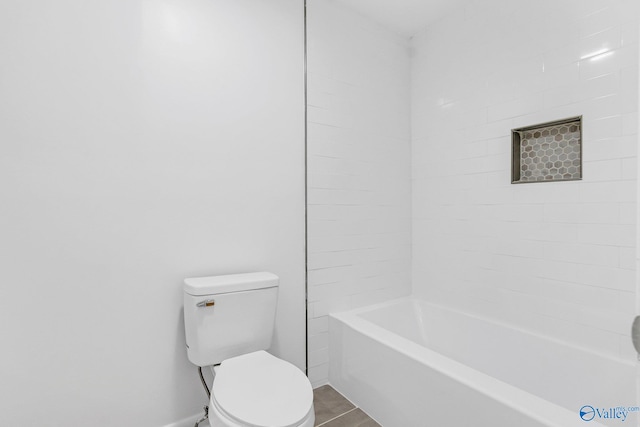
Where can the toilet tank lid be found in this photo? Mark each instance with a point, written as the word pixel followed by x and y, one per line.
pixel 229 283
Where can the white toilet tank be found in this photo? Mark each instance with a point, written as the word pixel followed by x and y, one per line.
pixel 226 316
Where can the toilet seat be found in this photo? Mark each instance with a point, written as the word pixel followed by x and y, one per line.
pixel 260 390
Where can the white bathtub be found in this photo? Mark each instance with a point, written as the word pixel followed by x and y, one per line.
pixel 408 363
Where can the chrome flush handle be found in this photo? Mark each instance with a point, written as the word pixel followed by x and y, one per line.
pixel 206 303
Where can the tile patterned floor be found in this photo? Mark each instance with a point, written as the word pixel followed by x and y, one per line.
pixel 334 410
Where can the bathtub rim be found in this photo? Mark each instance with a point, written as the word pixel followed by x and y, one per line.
pixel 546 412
pixel 414 300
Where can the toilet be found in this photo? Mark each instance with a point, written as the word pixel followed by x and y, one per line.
pixel 229 324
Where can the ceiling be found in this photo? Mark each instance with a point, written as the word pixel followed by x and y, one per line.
pixel 405 17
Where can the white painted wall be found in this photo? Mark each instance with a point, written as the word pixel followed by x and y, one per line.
pixel 359 231
pixel 556 258
pixel 142 142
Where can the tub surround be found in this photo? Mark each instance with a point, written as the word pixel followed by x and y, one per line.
pixel 558 258
pixel 359 179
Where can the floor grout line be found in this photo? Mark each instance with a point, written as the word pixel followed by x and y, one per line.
pixel 335 418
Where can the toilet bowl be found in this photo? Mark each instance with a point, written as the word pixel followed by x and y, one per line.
pixel 260 390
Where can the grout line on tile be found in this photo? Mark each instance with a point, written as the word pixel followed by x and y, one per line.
pixel 335 418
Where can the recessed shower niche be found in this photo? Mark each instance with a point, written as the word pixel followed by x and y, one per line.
pixel 546 152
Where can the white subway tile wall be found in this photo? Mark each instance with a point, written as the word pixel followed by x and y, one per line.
pixel 555 258
pixel 359 177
